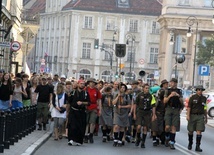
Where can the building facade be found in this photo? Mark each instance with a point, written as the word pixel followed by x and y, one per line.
pixel 68 29
pixel 176 19
pixel 10 27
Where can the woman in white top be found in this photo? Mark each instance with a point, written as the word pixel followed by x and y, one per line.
pixel 58 113
pixel 18 90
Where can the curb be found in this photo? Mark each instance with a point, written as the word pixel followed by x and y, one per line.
pixel 31 149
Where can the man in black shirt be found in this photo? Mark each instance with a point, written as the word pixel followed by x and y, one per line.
pixel 44 92
pixel 78 101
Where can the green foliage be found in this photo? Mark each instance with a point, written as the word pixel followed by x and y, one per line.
pixel 205 54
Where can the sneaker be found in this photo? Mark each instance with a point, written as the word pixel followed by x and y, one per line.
pixel 70 142
pixel 171 145
pixel 142 145
pixel 115 143
pixel 73 143
pixel 119 144
pixel 104 139
pixel 155 143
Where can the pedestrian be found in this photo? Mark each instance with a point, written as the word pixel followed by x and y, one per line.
pixel 135 92
pixel 145 113
pixel 93 109
pixel 106 120
pixel 6 92
pixel 18 91
pixel 173 101
pixel 122 105
pixel 158 125
pixel 44 92
pixel 26 86
pixel 34 83
pixel 196 117
pixel 58 113
pixel 78 102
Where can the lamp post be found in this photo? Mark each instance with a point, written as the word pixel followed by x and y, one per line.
pixel 111 59
pixel 130 36
pixel 191 20
pixel 212 3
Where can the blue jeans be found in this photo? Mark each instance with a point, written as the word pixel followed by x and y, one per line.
pixel 16 104
pixel 4 105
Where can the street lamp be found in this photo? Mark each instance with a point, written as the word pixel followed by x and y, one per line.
pixel 111 58
pixel 130 36
pixel 116 31
pixel 191 20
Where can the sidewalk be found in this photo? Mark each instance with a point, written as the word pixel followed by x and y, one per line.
pixel 29 144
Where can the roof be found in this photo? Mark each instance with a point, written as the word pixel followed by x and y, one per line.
pixel 141 7
pixel 36 8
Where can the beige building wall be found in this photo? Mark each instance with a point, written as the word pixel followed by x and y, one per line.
pixel 174 21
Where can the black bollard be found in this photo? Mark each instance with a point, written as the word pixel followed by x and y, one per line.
pixel 21 122
pixel 26 120
pixel 34 116
pixel 16 125
pixel 12 128
pixel 7 131
pixel 2 122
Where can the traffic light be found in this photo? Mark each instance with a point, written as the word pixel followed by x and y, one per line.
pixel 120 50
pixel 96 43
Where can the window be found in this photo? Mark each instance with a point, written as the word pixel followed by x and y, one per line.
pixel 4 3
pixel 85 73
pixel 184 2
pixel 107 56
pixel 155 28
pixel 133 27
pixel 106 76
pixel 53 20
pixel 88 22
pixel 110 23
pixel 86 50
pixel 208 3
pixel 108 51
pixel 131 54
pixel 153 55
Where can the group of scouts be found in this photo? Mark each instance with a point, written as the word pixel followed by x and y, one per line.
pixel 129 112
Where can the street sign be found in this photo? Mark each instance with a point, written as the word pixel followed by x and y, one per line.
pixel 5 44
pixel 141 61
pixel 204 70
pixel 15 46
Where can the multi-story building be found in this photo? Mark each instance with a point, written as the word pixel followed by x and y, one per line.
pixel 177 17
pixel 68 29
pixel 10 23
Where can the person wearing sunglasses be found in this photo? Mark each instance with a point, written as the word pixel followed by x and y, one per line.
pixel 196 117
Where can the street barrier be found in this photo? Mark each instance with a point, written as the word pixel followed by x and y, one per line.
pixel 15 124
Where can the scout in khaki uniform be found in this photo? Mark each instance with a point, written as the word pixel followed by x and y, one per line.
pixel 173 101
pixel 145 109
pixel 196 117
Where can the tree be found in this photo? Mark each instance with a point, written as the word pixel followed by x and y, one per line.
pixel 205 54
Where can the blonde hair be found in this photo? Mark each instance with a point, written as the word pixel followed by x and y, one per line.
pixel 60 88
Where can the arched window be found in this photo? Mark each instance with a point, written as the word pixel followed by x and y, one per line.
pixel 85 73
pixel 106 76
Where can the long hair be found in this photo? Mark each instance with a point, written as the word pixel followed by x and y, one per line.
pixel 60 88
pixel 9 82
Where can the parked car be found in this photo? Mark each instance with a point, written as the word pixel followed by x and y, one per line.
pixel 210 103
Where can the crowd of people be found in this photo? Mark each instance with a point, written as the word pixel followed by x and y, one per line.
pixel 125 112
